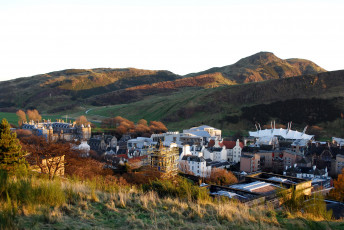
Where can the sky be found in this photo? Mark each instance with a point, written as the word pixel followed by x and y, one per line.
pixel 183 36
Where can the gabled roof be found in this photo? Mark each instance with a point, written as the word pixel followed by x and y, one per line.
pixel 231 144
pixel 213 149
pixel 303 161
pixel 193 158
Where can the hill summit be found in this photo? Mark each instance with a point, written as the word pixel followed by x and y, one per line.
pixel 264 66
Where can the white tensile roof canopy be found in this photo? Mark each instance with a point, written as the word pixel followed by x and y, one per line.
pixel 285 133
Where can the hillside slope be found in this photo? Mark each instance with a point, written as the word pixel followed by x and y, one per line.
pixel 73 88
pixel 308 99
pixel 66 89
pixel 164 88
pixel 264 66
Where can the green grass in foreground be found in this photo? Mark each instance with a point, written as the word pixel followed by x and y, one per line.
pixel 33 202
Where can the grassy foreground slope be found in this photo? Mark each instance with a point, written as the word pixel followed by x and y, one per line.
pixel 36 203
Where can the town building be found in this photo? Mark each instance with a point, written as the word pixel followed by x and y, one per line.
pixel 103 144
pixel 164 159
pixel 302 185
pixel 215 154
pixel 250 163
pixel 59 130
pixel 233 148
pixel 167 138
pixel 339 142
pixel 205 131
pixel 274 138
pixel 200 162
pixel 338 164
pixel 194 165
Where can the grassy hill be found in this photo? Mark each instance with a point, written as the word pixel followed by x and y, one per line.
pixel 74 88
pixel 305 100
pixel 315 100
pixel 264 66
pixel 257 88
pixel 61 90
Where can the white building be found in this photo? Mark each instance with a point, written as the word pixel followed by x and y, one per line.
pixel 215 154
pixel 167 138
pixel 234 153
pixel 191 162
pixel 267 136
pixel 338 141
pixel 139 143
pixel 205 131
pixel 233 149
pixel 84 148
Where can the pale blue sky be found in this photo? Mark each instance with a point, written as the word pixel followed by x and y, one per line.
pixel 180 36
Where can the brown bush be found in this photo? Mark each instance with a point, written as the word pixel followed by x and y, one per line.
pixel 157 127
pixel 23 133
pixel 221 177
pixel 144 176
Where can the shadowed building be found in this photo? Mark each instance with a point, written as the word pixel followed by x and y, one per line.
pixel 59 130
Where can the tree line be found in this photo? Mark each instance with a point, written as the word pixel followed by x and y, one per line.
pixel 120 126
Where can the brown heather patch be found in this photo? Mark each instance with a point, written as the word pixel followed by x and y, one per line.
pixel 206 80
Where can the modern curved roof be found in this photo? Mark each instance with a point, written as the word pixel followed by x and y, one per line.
pixel 285 133
pixel 202 127
pixel 199 133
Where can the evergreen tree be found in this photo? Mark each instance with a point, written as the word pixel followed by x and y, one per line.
pixel 11 153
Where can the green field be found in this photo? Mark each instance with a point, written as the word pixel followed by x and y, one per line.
pixel 12 118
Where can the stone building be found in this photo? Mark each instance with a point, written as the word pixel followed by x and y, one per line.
pixel 103 144
pixel 164 159
pixel 59 130
pixel 250 163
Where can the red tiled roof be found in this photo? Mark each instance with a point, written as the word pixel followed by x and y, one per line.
pixel 139 158
pixel 211 143
pixel 230 144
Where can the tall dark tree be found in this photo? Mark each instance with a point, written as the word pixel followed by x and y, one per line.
pixel 11 153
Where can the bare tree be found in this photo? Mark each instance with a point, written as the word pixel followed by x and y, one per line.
pixel 34 115
pixel 82 120
pixel 48 156
pixel 21 117
pixel 142 122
